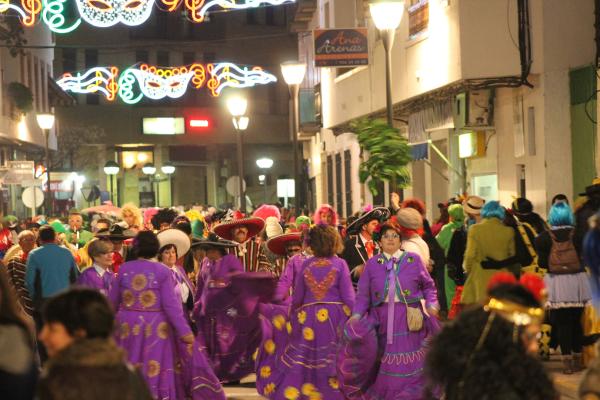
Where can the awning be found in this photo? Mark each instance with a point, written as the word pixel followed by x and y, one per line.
pixel 419 151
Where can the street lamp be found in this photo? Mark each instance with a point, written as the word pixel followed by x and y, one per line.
pixel 238 106
pixel 264 164
pixel 168 169
pixel 46 122
pixel 149 169
pixel 111 169
pixel 387 15
pixel 293 73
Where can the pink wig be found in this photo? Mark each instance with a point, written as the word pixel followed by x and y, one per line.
pixel 323 208
pixel 266 210
pixel 149 213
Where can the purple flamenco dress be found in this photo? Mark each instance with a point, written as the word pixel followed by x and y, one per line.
pixel 380 358
pixel 227 319
pixel 150 324
pixel 97 278
pixel 296 359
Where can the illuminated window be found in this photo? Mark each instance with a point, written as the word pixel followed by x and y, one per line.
pixel 418 17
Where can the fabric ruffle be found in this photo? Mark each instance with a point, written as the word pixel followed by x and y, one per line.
pixel 567 290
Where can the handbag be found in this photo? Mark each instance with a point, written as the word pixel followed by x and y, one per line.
pixel 414 315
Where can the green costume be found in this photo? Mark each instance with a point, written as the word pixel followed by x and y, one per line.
pixel 457 217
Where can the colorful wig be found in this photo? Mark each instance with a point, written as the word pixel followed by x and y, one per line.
pixel 415 203
pixel 456 212
pixel 130 208
pixel 325 208
pixel 561 214
pixel 265 211
pixel 493 209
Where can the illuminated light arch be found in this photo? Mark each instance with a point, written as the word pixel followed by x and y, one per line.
pixel 147 81
pixel 107 13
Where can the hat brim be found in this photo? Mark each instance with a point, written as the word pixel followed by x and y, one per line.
pixel 205 244
pixel 127 234
pixel 471 210
pixel 277 244
pixel 379 213
pixel 254 225
pixel 591 190
pixel 175 237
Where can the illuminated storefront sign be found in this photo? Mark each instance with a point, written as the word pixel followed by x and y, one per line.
pixel 107 13
pixel 155 83
pixel 163 126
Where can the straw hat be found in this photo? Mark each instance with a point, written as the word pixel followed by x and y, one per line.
pixel 473 205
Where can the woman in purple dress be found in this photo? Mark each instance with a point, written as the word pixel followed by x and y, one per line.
pixel 382 355
pixel 297 356
pixel 100 275
pixel 150 319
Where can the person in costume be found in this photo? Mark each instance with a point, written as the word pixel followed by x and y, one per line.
pixel 16 268
pixel 456 223
pixel 410 222
pixel 489 239
pixel 325 214
pixel 163 219
pixel 150 320
pixel 100 275
pixel 76 235
pixel 132 215
pixel 522 209
pixel 249 251
pixel 284 246
pixel 298 354
pixel 490 351
pixel 361 246
pixel 395 315
pixel 226 310
pixel 122 252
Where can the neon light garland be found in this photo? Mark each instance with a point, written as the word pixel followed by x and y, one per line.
pixel 107 13
pixel 146 81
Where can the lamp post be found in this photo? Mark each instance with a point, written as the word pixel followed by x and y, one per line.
pixel 293 73
pixel 169 169
pixel 46 122
pixel 264 163
pixel 237 108
pixel 387 15
pixel 111 168
pixel 149 170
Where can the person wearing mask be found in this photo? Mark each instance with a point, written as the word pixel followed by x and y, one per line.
pixel 99 276
pixel 17 267
pixel 360 246
pixel 150 320
pixel 490 351
pixel 383 345
pixel 76 235
pixel 566 282
pixel 301 359
pixel 84 362
pixel 488 239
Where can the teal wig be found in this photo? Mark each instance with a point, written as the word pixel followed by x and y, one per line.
pixel 493 209
pixel 561 214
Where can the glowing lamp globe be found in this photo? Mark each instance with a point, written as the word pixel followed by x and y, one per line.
pixel 241 123
pixel 264 163
pixel 149 169
pixel 293 72
pixel 111 168
pixel 387 14
pixel 45 121
pixel 237 106
pixel 168 169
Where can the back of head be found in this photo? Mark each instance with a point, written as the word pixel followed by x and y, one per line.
pixel 560 214
pixel 47 234
pixel 146 245
pixel 325 241
pixel 493 209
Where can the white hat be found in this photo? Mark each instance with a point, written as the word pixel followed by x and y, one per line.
pixel 273 227
pixel 176 237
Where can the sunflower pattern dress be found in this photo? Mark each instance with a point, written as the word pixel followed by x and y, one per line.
pixel 296 359
pixel 150 322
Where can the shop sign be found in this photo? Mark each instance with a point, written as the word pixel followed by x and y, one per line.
pixel 341 47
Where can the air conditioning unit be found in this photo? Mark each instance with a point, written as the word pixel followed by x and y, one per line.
pixel 474 109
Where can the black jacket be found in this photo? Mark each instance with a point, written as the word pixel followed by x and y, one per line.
pixel 355 254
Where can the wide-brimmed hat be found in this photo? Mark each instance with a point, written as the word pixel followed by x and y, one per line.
pixel 522 206
pixel 473 205
pixel 116 232
pixel 593 189
pixel 272 227
pixel 381 214
pixel 176 237
pixel 277 244
pixel 254 225
pixel 213 241
pixel 409 218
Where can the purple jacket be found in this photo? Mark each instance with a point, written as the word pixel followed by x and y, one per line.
pixel 412 275
pixel 148 286
pixel 288 278
pixel 323 280
pixel 92 279
pixel 214 275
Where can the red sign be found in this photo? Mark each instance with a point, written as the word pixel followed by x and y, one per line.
pixel 198 123
pixel 198 120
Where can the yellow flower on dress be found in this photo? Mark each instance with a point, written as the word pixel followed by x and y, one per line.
pixel 270 346
pixel 308 334
pixel 302 317
pixel 269 388
pixel 148 298
pixel 124 330
pixel 322 315
pixel 128 298
pixel 279 322
pixel 308 389
pixel 265 371
pixel 334 383
pixel 139 282
pixel 288 326
pixel 136 329
pixel 148 330
pixel 163 330
pixel 153 368
pixel 347 310
pixel 291 393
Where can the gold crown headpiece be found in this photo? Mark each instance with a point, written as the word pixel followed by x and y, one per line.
pixel 515 313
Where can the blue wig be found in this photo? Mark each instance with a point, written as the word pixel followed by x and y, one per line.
pixel 493 209
pixel 591 256
pixel 560 215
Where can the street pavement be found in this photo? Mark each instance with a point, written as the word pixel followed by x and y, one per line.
pixel 244 391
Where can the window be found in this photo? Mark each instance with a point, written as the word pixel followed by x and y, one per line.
pixel 69 60
pixel 162 58
pixel 347 180
pixel 330 187
pixel 142 56
pixel 418 17
pixel 338 184
pixel 91 61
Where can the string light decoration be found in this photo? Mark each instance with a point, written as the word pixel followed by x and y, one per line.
pixel 107 13
pixel 147 81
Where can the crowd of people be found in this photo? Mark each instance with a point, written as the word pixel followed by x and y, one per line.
pixel 172 304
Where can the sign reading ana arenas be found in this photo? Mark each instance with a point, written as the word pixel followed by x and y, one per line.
pixel 341 47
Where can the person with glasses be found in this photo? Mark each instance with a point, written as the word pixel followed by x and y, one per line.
pixel 100 275
pixel 395 315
